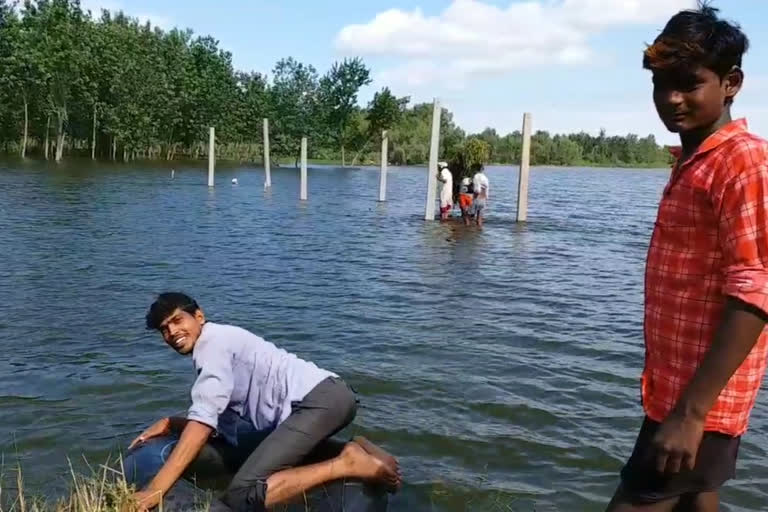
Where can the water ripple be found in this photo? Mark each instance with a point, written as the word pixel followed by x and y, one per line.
pixel 502 366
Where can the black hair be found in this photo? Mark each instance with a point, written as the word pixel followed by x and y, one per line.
pixel 166 304
pixel 697 37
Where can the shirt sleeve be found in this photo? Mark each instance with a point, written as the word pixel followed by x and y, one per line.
pixel 212 390
pixel 743 233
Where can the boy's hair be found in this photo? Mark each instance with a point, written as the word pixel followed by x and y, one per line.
pixel 166 304
pixel 697 37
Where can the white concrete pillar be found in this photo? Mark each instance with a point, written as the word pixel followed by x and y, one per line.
pixel 434 149
pixel 383 175
pixel 267 170
pixel 525 169
pixel 211 155
pixel 303 194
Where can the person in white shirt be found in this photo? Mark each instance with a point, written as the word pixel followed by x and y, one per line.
pixel 446 191
pixel 241 376
pixel 482 187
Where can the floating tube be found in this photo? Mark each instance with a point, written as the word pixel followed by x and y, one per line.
pixel 143 462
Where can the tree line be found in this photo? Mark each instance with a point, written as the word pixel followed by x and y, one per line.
pixel 108 86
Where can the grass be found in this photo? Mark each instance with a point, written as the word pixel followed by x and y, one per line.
pixel 105 490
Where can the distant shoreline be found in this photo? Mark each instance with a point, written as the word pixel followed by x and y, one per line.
pixel 589 165
pixel 288 163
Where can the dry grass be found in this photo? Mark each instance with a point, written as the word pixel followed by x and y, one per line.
pixel 105 490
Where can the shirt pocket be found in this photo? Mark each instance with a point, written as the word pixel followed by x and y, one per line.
pixel 685 206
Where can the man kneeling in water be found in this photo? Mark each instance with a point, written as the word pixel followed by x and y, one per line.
pixel 239 372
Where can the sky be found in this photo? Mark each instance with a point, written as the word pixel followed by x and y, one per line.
pixel 573 64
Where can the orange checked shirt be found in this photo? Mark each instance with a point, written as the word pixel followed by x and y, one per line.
pixel 710 241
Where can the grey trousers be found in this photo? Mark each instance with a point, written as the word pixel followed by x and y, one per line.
pixel 326 410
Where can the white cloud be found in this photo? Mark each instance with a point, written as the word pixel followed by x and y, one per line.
pixel 96 6
pixel 616 119
pixel 601 14
pixel 471 37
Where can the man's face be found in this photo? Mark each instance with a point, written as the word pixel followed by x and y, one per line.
pixel 181 330
pixel 692 100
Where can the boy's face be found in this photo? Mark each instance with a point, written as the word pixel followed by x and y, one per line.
pixel 181 330
pixel 695 99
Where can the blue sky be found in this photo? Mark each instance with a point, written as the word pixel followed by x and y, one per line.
pixel 574 64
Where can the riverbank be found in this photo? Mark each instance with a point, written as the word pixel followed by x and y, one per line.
pixel 286 162
pixel 106 490
pixel 289 162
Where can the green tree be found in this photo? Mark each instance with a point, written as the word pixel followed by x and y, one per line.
pixel 106 84
pixel 564 151
pixel 9 78
pixel 22 78
pixel 468 158
pixel 55 28
pixel 294 105
pixel 493 140
pixel 384 112
pixel 338 91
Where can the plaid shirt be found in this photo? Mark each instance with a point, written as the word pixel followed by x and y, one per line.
pixel 710 241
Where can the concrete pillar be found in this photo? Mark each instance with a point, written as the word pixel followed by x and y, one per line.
pixel 211 155
pixel 303 194
pixel 383 175
pixel 434 149
pixel 525 168
pixel 268 180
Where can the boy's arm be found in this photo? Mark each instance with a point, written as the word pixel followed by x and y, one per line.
pixel 192 440
pixel 177 423
pixel 677 441
pixel 741 203
pixel 210 397
pixel 735 338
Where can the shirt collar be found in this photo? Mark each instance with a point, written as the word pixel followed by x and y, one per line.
pixel 204 332
pixel 722 135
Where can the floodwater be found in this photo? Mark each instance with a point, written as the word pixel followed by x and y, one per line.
pixel 502 366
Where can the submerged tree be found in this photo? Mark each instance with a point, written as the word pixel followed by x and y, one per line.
pixel 467 160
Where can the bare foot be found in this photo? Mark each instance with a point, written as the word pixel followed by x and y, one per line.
pixel 378 453
pixel 364 465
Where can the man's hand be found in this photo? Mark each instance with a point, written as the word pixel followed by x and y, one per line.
pixel 676 443
pixel 192 439
pixel 147 499
pixel 160 428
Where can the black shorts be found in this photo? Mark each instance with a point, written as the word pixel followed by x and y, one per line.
pixel 715 464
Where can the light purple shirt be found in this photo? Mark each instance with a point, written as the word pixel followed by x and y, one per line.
pixel 242 375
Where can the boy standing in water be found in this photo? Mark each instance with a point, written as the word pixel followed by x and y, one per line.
pixel 465 199
pixel 706 286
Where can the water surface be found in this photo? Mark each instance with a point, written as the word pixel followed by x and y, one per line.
pixel 500 365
